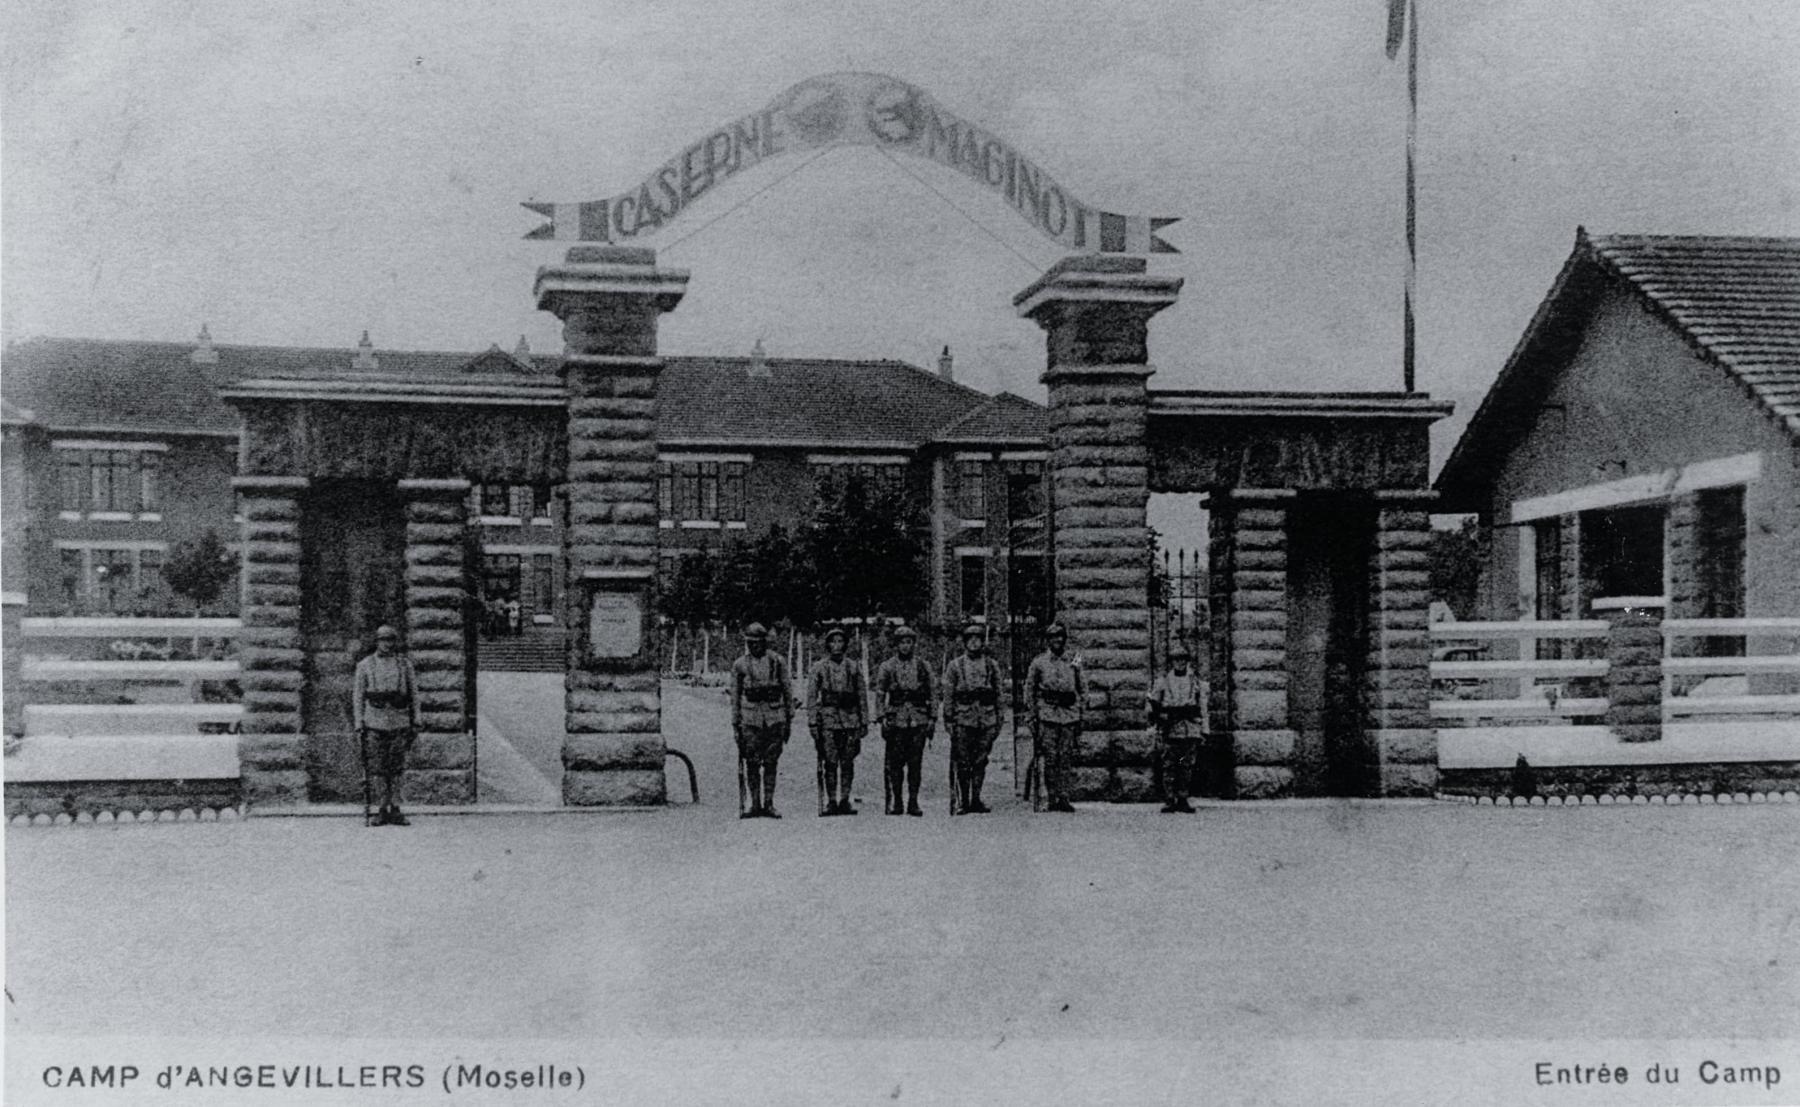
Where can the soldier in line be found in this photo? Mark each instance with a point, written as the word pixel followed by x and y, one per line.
pixel 837 704
pixel 1053 694
pixel 762 717
pixel 1178 712
pixel 972 715
pixel 903 694
pixel 385 710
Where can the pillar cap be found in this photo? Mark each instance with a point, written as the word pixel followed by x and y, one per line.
pixel 1098 279
pixel 609 271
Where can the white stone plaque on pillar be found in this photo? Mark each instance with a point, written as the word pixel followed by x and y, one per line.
pixel 615 625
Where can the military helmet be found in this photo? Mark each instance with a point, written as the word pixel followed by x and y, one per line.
pixel 1179 652
pixel 386 631
pixel 837 632
pixel 974 630
pixel 756 631
pixel 1056 630
pixel 905 632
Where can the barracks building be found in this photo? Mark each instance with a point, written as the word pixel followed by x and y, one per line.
pixel 123 450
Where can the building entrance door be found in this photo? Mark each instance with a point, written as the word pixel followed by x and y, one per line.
pixel 353 575
pixel 1330 545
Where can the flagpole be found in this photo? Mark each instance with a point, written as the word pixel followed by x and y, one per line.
pixel 1409 355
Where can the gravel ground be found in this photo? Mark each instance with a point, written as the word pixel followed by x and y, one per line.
pixel 1253 921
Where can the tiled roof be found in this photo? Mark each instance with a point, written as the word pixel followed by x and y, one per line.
pixel 158 386
pixel 12 413
pixel 717 400
pixel 1735 300
pixel 1002 417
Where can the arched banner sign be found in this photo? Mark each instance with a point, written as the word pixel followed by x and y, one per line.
pixel 854 109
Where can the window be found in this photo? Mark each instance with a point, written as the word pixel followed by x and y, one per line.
pixel 1719 565
pixel 1549 569
pixel 687 490
pixel 149 570
pixel 1622 551
pixel 543 583
pixel 111 583
pixel 540 501
pixel 1024 490
pixel 108 480
pixel 877 479
pixel 971 489
pixel 732 495
pixel 703 491
pixel 72 576
pixel 109 579
pixel 149 466
pixel 496 501
pixel 974 585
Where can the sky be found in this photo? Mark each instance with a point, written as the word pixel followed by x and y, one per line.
pixel 296 173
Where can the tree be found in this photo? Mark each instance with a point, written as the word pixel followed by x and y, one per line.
pixel 865 553
pixel 1456 560
pixel 200 569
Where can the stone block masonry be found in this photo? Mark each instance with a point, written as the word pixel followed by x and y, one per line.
pixel 609 300
pixel 441 769
pixel 1397 685
pixel 1095 313
pixel 271 747
pixel 1253 572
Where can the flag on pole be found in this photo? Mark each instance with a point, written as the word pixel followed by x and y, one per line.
pixel 1401 13
pixel 1396 27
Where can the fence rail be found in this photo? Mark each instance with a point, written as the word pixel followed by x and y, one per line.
pixel 1729 682
pixel 153 737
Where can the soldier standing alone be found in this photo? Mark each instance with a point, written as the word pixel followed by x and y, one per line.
pixel 837 704
pixel 903 690
pixel 385 706
pixel 762 717
pixel 1053 693
pixel 972 713
pixel 1178 711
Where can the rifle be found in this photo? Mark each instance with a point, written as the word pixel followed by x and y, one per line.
pixel 362 749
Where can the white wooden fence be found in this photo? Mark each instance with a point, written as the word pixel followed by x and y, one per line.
pixel 162 735
pixel 1491 710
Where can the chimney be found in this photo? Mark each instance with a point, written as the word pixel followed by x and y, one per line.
pixel 204 354
pixel 759 362
pixel 946 365
pixel 365 354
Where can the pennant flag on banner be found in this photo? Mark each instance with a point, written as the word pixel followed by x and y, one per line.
pixel 855 109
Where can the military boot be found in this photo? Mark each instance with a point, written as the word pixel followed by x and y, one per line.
pixel 768 793
pixel 846 777
pixel 977 778
pixel 752 792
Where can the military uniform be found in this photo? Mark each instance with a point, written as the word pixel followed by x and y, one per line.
pixel 385 712
pixel 903 691
pixel 838 708
pixel 762 715
pixel 1178 711
pixel 972 711
pixel 1053 694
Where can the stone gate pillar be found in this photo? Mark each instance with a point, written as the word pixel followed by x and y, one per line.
pixel 609 299
pixel 1254 573
pixel 1096 312
pixel 1397 680
pixel 271 747
pixel 441 768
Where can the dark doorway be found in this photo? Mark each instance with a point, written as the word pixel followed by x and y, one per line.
pixel 352 572
pixel 1330 543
